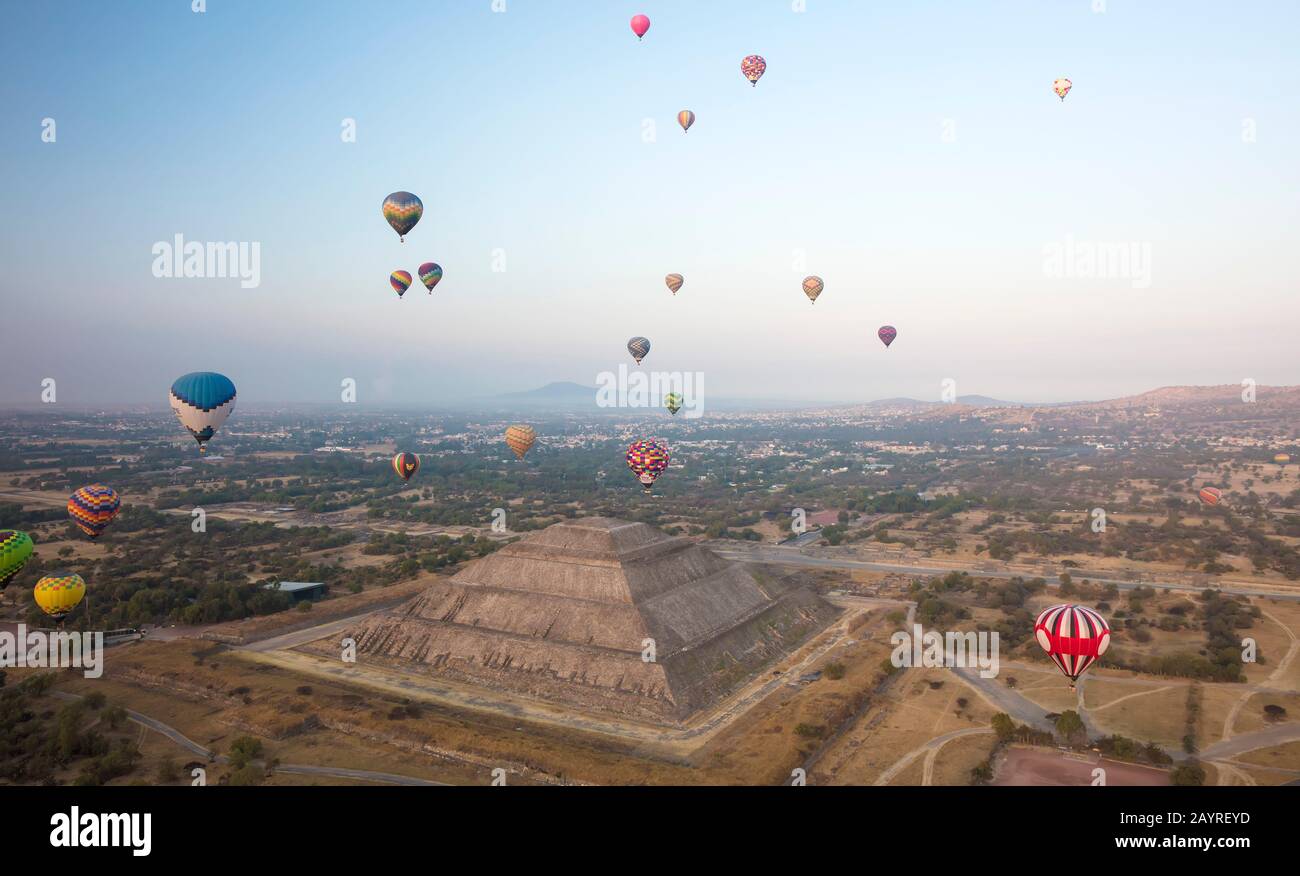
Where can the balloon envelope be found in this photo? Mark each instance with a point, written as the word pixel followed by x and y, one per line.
pixel 1210 495
pixel 520 439
pixel 92 508
pixel 638 347
pixel 753 67
pixel 673 402
pixel 686 118
pixel 674 282
pixel 887 334
pixel 406 465
pixel 647 460
pixel 400 281
pixel 202 400
pixel 59 594
pixel 1282 458
pixel 812 287
pixel 1062 87
pixel 15 550
pixel 430 274
pixel 1073 636
pixel 640 24
pixel 403 210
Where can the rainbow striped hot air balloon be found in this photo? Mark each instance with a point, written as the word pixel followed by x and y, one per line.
pixel 430 275
pixel 403 210
pixel 400 281
pixel 59 594
pixel 406 465
pixel 202 402
pixel 520 439
pixel 15 550
pixel 686 118
pixel 92 508
pixel 647 460
pixel 639 348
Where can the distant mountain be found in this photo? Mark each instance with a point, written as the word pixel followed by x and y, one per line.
pixel 560 391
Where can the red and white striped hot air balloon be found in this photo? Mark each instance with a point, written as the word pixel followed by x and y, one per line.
pixel 1073 636
pixel 1210 495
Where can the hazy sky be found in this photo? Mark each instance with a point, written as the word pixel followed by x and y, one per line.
pixel 912 151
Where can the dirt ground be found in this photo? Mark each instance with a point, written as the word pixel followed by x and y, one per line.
pixel 1039 766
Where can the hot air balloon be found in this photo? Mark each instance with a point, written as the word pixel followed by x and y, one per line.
pixel 638 347
pixel 686 118
pixel 92 508
pixel 400 281
pixel 1282 458
pixel 640 24
pixel 1210 495
pixel 674 282
pixel 403 210
pixel 887 334
pixel 1073 636
pixel 673 402
pixel 1062 87
pixel 812 287
pixel 59 594
pixel 753 67
pixel 647 460
pixel 430 274
pixel 202 402
pixel 520 439
pixel 15 550
pixel 406 465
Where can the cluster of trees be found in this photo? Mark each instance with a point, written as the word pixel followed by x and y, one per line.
pixel 38 743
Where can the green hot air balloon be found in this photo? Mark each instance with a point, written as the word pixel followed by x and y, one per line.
pixel 15 550
pixel 673 402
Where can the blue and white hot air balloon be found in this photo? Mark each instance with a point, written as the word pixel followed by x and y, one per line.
pixel 202 402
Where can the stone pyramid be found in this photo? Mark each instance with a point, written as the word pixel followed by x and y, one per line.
pixel 564 615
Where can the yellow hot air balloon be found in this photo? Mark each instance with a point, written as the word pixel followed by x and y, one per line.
pixel 59 594
pixel 1282 458
pixel 520 439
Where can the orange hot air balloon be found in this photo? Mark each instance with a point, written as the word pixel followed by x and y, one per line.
pixel 1282 458
pixel 520 439
pixel 1062 87
pixel 1210 495
pixel 812 287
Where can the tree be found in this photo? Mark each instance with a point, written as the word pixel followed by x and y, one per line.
pixel 1004 727
pixel 1070 727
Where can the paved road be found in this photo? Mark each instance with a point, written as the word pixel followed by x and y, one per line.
pixel 786 556
pixel 295 768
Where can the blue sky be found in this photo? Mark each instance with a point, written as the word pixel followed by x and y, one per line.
pixel 524 133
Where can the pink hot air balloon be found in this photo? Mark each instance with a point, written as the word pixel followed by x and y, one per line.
pixel 640 24
pixel 887 334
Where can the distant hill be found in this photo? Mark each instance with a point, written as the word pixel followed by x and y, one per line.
pixel 560 391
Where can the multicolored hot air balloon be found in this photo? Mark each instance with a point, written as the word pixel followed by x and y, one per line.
pixel 15 550
pixel 430 274
pixel 202 401
pixel 647 460
pixel 520 439
pixel 92 508
pixel 638 347
pixel 674 282
pixel 640 24
pixel 1062 87
pixel 1210 495
pixel 1073 636
pixel 753 67
pixel 59 594
pixel 673 402
pixel 887 334
pixel 406 465
pixel 1282 458
pixel 400 281
pixel 812 287
pixel 686 118
pixel 403 210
